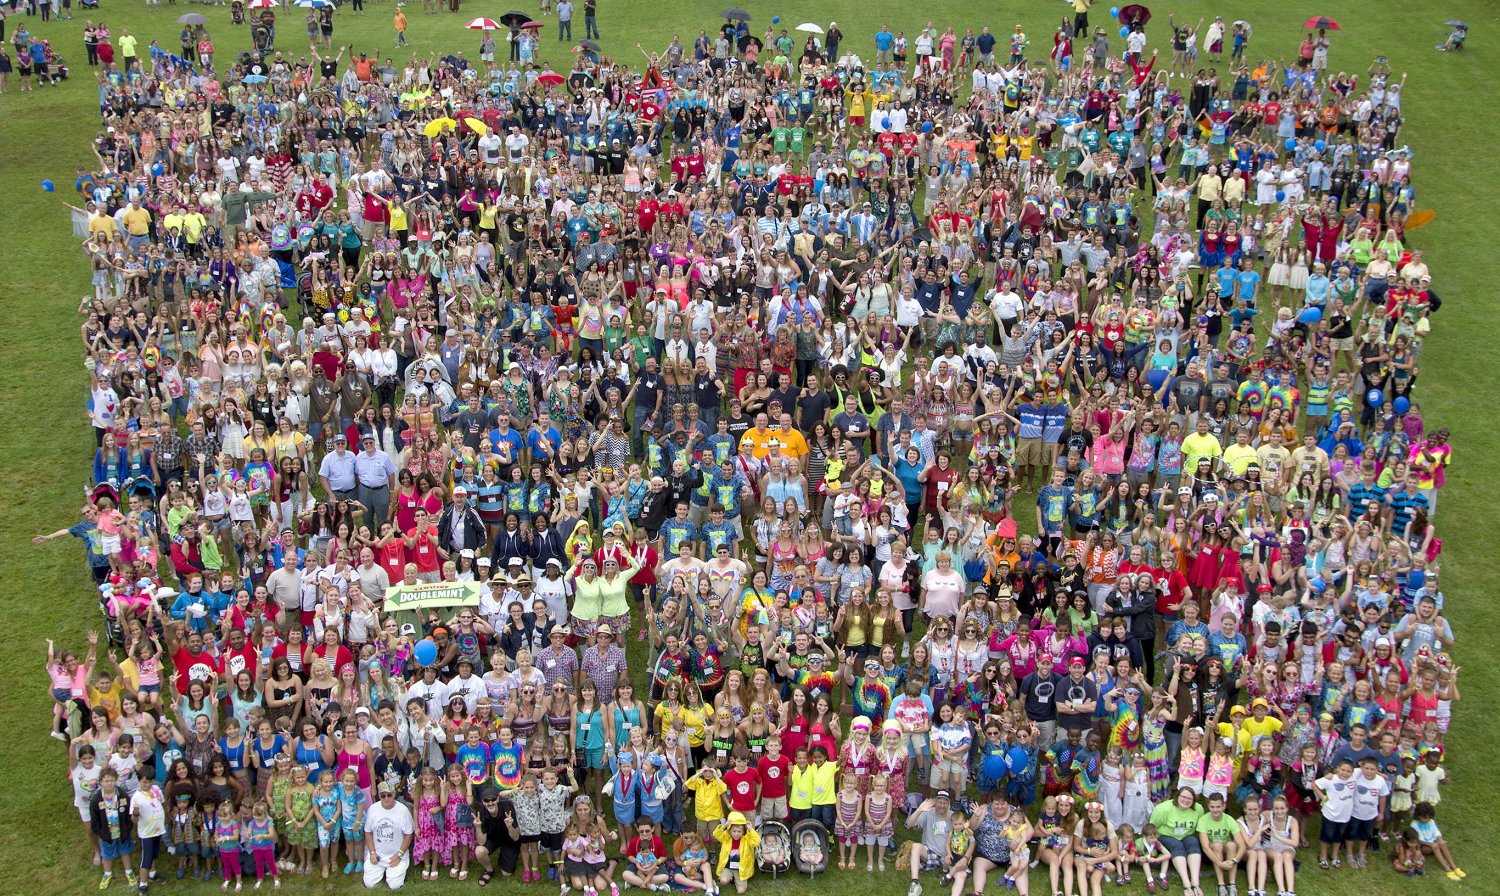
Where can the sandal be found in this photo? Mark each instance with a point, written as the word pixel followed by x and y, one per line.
pixel 1323 863
pixel 485 878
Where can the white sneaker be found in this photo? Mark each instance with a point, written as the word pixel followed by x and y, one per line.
pixel 915 889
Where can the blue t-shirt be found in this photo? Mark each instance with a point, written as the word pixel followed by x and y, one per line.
pixel 908 472
pixel 1053 503
pixel 93 544
pixel 884 40
pixel 1246 282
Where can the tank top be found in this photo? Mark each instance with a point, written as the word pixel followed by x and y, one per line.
pixel 722 746
pixel 348 760
pixel 310 758
pixel 523 727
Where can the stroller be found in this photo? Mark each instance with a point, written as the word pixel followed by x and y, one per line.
pixel 57 67
pixel 775 855
pixel 810 845
pixel 237 12
pixel 262 38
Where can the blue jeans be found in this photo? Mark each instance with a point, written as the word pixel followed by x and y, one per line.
pixel 564 29
pixel 591 27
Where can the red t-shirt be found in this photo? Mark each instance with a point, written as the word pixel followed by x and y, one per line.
pixel 190 667
pixel 742 788
pixel 774 774
pixel 246 659
pixel 424 552
pixel 1170 590
pixel 393 559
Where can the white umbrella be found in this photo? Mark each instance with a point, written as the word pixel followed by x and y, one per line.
pixel 810 28
pixel 262 4
pixel 313 4
pixel 483 24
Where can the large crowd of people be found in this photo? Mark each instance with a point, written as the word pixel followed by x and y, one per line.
pixel 1006 456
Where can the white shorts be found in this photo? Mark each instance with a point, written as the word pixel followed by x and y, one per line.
pixel 375 872
pixel 110 544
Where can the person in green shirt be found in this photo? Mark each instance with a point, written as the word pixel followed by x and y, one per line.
pixel 1218 835
pixel 1177 821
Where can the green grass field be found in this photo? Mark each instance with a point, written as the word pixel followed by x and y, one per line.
pixel 46 591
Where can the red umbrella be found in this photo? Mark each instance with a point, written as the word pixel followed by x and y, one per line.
pixel 1134 14
pixel 483 24
pixel 532 26
pixel 550 79
pixel 1322 22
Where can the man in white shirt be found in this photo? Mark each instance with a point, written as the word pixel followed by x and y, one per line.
pixel 433 693
pixel 1005 305
pixel 388 833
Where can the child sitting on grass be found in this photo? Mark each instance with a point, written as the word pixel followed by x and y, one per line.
pixel 1430 838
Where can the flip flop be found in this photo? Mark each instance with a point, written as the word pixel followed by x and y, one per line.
pixel 485 878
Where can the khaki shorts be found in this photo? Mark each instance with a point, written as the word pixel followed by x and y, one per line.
pixel 1029 452
pixel 949 769
pixel 773 809
pixel 1343 345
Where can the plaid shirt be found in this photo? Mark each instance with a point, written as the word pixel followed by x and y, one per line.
pixel 207 446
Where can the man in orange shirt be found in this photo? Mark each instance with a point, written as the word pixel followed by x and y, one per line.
pixel 758 437
pixel 793 444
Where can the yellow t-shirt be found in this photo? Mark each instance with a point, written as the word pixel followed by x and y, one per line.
pixel 1239 457
pixel 398 218
pixel 1195 447
pixel 102 224
pixel 137 221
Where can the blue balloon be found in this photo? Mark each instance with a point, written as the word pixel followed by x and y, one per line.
pixel 1291 143
pixel 1317 584
pixel 885 122
pixel 1114 12
pixel 1124 32
pixel 1310 315
pixel 1402 404
pixel 1319 145
pixel 775 20
pixel 1280 195
pixel 157 169
pixel 1374 398
pixel 425 652
pixel 49 186
pixel 1156 377
pixel 926 127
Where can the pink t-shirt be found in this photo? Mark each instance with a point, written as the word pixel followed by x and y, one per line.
pixel 944 592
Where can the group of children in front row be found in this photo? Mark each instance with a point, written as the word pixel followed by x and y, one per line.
pixel 305 820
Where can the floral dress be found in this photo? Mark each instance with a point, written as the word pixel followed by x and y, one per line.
pixel 460 818
pixel 304 835
pixel 429 838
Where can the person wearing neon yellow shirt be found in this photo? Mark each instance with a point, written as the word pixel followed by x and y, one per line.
pixel 1199 445
pixel 1240 455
